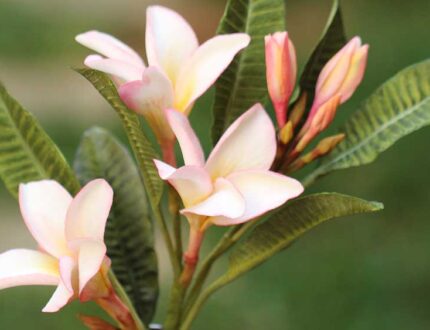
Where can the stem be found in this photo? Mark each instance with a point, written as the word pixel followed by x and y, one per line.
pixel 226 242
pixel 174 311
pixel 191 256
pixel 168 151
pixel 174 206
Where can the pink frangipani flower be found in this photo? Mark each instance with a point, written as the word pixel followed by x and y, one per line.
pixel 69 232
pixel 179 69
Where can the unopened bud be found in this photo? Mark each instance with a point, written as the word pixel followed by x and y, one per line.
pixel 299 109
pixel 286 133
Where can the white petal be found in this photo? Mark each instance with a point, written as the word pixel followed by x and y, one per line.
pixel 27 267
pixel 192 183
pixel 262 191
pixel 190 145
pixel 205 66
pixel 249 143
pixel 89 211
pixel 122 70
pixel 110 47
pixel 170 40
pixel 44 206
pixel 59 299
pixel 224 201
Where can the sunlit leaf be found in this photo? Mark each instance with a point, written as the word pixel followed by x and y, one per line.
pixel 141 145
pixel 26 152
pixel 129 232
pixel 244 83
pixel 288 224
pixel 399 107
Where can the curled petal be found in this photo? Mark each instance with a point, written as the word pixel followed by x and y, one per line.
pixel 88 212
pixel 190 145
pixel 44 206
pixel 27 267
pixel 110 47
pixel 249 143
pixel 149 97
pixel 205 66
pixel 121 70
pixel 192 183
pixel 224 201
pixel 59 299
pixel 170 40
pixel 262 192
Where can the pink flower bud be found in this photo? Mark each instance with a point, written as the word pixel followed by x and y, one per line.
pixel 281 70
pixel 342 74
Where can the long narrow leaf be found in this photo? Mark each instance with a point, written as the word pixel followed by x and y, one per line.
pixel 244 83
pixel 399 107
pixel 27 153
pixel 129 232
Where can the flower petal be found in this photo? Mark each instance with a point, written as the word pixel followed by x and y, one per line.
pixel 89 210
pixel 170 40
pixel 110 47
pixel 262 191
pixel 190 145
pixel 59 299
pixel 44 207
pixel 249 143
pixel 192 183
pixel 149 97
pixel 225 201
pixel 122 70
pixel 205 66
pixel 91 256
pixel 27 267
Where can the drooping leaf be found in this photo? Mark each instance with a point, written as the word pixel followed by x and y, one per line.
pixel 397 108
pixel 27 153
pixel 332 40
pixel 244 83
pixel 141 145
pixel 288 224
pixel 129 232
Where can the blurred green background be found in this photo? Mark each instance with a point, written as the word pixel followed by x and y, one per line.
pixel 366 272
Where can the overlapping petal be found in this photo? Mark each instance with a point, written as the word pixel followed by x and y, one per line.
pixel 44 206
pixel 27 267
pixel 119 69
pixel 88 212
pixel 205 66
pixel 262 191
pixel 170 40
pixel 249 143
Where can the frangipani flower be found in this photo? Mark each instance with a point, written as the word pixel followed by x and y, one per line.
pixel 281 71
pixel 69 232
pixel 179 69
pixel 235 184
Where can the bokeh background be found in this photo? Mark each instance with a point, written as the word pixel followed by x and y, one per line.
pixel 361 273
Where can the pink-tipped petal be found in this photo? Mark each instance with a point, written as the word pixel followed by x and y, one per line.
pixel 110 47
pixel 91 256
pixel 192 183
pixel 170 40
pixel 224 201
pixel 44 206
pixel 190 145
pixel 149 97
pixel 262 192
pixel 122 70
pixel 89 210
pixel 27 267
pixel 59 299
pixel 205 66
pixel 249 143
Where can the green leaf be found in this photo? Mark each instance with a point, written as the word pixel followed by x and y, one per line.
pixel 141 145
pixel 286 225
pixel 129 232
pixel 399 107
pixel 27 153
pixel 244 83
pixel 332 40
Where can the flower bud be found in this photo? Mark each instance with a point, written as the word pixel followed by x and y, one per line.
pixel 342 74
pixel 281 69
pixel 286 133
